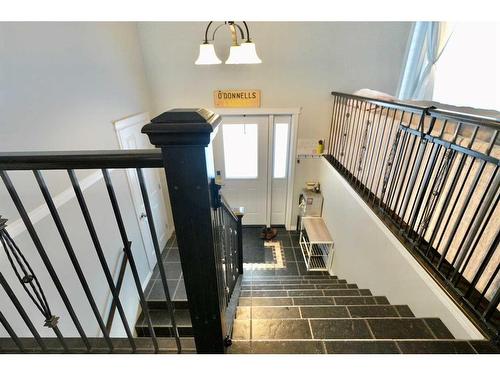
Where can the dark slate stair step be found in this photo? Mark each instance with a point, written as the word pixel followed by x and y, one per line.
pixel 374 311
pixel 305 293
pixel 280 312
pixel 159 304
pixel 299 286
pixel 284 277
pixel 322 312
pixel 264 329
pixel 281 280
pixel 362 347
pixel 409 328
pixel 295 281
pixel 276 347
pixel 375 328
pixel 435 347
pixel 309 301
pixel 163 325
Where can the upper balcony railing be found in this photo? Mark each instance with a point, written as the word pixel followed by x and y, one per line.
pixel 41 284
pixel 432 176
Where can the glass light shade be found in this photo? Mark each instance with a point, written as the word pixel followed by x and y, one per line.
pixel 207 55
pixel 234 55
pixel 249 53
pixel 245 53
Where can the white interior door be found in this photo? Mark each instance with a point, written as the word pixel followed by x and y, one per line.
pixel 130 137
pixel 241 154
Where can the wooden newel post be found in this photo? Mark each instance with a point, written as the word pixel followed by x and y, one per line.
pixel 184 136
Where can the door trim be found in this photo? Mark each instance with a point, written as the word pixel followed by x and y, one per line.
pixel 120 125
pixel 294 112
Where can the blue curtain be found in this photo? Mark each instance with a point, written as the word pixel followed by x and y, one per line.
pixel 427 43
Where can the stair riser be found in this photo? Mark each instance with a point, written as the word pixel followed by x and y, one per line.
pixel 305 293
pixel 161 305
pixel 164 331
pixel 289 281
pixel 309 301
pixel 285 282
pixel 293 277
pixel 324 312
pixel 361 347
pixel 299 286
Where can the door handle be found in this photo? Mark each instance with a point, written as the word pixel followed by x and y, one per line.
pixel 143 215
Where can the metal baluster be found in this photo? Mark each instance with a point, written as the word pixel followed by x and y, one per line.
pixel 29 278
pixel 448 198
pixel 355 130
pixel 477 219
pixel 338 127
pixel 369 140
pixel 350 133
pixel 156 246
pixel 71 253
pixel 376 128
pixel 465 204
pixel 415 168
pixel 424 186
pixel 492 307
pixel 357 140
pixel 128 251
pixel 22 312
pixel 335 122
pixel 415 204
pixel 11 332
pixel 331 132
pixel 409 161
pixel 377 161
pixel 385 160
pixel 43 255
pixel 489 254
pixel 343 121
pixel 100 253
pixel 397 170
pixel 488 284
pixel 389 165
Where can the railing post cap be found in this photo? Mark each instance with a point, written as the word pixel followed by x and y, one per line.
pixel 182 127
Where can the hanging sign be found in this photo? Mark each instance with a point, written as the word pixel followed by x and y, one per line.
pixel 237 98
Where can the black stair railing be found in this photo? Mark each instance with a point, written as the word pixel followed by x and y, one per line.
pixel 432 176
pixel 208 235
pixel 202 230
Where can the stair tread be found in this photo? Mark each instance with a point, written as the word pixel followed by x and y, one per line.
pixel 305 293
pixel 361 328
pixel 161 318
pixel 307 301
pixel 320 312
pixel 367 346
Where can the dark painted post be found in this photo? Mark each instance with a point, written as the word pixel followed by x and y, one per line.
pixel 239 214
pixel 184 136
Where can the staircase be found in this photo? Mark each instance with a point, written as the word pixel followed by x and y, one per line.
pixel 316 314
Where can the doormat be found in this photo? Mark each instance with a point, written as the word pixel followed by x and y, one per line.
pixel 278 258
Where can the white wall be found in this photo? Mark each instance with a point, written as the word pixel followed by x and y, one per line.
pixel 367 253
pixel 61 86
pixel 302 63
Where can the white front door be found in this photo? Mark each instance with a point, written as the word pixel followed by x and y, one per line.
pixel 251 152
pixel 240 153
pixel 130 137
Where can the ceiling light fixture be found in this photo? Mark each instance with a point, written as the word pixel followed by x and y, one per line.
pixel 244 53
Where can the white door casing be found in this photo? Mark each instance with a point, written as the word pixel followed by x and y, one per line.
pixel 129 135
pixel 268 198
